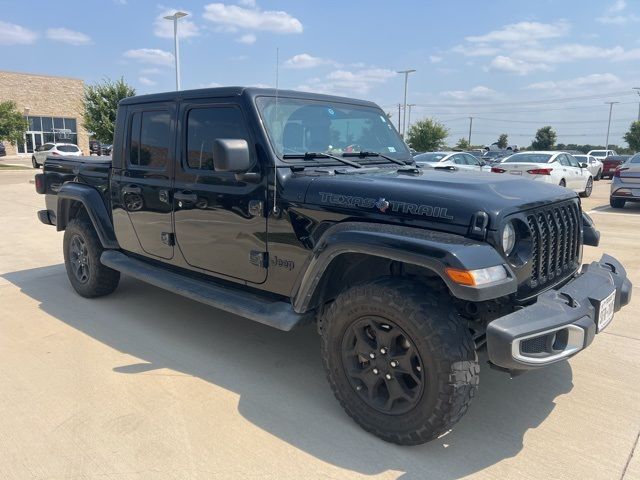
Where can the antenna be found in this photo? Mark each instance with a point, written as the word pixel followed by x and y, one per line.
pixel 275 168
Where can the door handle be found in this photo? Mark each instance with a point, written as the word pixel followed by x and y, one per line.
pixel 133 189
pixel 186 197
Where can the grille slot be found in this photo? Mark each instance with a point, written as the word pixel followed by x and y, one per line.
pixel 555 235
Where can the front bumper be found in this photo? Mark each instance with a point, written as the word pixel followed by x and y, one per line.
pixel 561 323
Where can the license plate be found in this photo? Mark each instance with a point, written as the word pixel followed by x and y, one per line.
pixel 605 314
pixel 515 173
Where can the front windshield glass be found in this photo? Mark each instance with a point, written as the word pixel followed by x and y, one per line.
pixel 429 157
pixel 296 126
pixel 599 153
pixel 528 158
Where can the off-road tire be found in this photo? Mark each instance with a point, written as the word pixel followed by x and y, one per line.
pixel 588 189
pixel 34 163
pixel 101 280
pixel 617 202
pixel 447 351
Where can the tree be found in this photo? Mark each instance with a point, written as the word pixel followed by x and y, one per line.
pixel 12 123
pixel 632 137
pixel 463 144
pixel 502 141
pixel 545 139
pixel 427 135
pixel 101 105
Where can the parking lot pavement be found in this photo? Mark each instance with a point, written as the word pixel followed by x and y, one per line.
pixel 144 384
pixel 16 160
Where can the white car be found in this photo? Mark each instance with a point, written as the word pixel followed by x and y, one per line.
pixel 42 152
pixel 593 164
pixel 601 154
pixel 559 168
pixel 451 160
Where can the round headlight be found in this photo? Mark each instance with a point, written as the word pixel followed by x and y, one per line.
pixel 508 238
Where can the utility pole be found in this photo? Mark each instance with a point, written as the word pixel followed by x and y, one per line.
pixel 470 125
pixel 637 89
pixel 175 18
pixel 399 124
pixel 404 113
pixel 409 116
pixel 611 104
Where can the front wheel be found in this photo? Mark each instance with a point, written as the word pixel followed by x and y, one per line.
pixel 399 359
pixel 598 175
pixel 588 188
pixel 34 162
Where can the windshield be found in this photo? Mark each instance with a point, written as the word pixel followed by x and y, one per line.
pixel 429 157
pixel 297 126
pixel 67 148
pixel 634 159
pixel 528 158
pixel 599 153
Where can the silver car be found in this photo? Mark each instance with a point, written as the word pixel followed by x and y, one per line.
pixel 42 152
pixel 451 161
pixel 594 165
pixel 625 185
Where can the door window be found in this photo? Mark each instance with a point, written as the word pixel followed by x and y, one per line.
pixel 149 141
pixel 572 161
pixel 459 159
pixel 471 160
pixel 204 126
pixel 563 160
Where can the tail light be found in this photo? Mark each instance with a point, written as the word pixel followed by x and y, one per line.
pixel 497 170
pixel 39 181
pixel 540 171
pixel 618 170
pixel 55 153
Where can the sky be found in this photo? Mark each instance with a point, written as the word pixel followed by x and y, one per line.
pixel 513 66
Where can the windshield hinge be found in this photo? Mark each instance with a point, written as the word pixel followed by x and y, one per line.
pixel 478 227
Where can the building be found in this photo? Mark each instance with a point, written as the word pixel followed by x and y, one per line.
pixel 52 105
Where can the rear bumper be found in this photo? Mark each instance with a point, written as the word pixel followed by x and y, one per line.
pixel 561 323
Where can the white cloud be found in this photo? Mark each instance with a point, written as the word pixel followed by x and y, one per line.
pixel 343 82
pixel 567 53
pixel 588 83
pixel 523 32
pixel 153 56
pixel 514 65
pixel 435 59
pixel 120 2
pixel 633 54
pixel 146 81
pixel 65 35
pixel 236 17
pixel 248 39
pixel 618 6
pixel 476 93
pixel 247 3
pixel 210 85
pixel 163 28
pixel 615 15
pixel 475 50
pixel 304 60
pixel 12 34
pixel 150 71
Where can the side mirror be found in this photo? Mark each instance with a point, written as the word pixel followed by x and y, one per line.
pixel 231 155
pixel 583 165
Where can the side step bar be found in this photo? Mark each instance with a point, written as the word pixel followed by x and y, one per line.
pixel 274 313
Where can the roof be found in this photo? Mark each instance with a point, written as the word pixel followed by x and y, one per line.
pixel 251 92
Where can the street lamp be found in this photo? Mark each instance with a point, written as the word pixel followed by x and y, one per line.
pixel 409 116
pixel 611 104
pixel 404 114
pixel 175 18
pixel 637 89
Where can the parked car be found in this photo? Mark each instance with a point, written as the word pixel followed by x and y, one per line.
pixel 451 161
pixel 558 168
pixel 42 152
pixel 493 157
pixel 95 147
pixel 593 164
pixel 106 149
pixel 494 147
pixel 3 150
pixel 625 186
pixel 610 164
pixel 601 154
pixel 264 213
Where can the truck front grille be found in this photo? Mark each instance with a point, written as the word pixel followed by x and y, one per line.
pixel 555 236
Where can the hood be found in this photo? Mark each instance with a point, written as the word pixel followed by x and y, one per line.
pixel 432 195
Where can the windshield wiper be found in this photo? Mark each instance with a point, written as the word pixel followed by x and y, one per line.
pixel 375 154
pixel 314 155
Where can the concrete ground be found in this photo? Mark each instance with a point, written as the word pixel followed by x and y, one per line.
pixel 144 384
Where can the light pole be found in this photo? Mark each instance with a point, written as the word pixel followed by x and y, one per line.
pixel 470 125
pixel 404 113
pixel 409 116
pixel 175 18
pixel 637 89
pixel 611 104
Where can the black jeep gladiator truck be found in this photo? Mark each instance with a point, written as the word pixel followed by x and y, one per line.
pixel 288 208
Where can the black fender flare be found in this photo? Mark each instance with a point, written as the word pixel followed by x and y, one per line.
pixel 426 248
pixel 94 205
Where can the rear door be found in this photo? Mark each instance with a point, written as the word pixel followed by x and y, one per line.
pixel 473 162
pixel 219 217
pixel 144 182
pixel 460 162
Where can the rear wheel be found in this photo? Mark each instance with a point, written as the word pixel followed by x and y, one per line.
pixel 34 162
pixel 617 202
pixel 598 175
pixel 82 250
pixel 588 188
pixel 399 359
pixel 563 183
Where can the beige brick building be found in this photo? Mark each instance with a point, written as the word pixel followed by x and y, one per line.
pixel 52 105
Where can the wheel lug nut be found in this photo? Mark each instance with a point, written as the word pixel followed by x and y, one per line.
pixel 387 376
pixel 383 350
pixel 372 355
pixel 394 364
pixel 375 371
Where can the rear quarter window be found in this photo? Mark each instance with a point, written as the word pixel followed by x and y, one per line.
pixel 68 148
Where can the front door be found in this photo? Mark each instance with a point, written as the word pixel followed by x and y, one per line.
pixel 219 217
pixel 144 183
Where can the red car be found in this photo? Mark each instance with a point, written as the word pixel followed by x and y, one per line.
pixel 612 162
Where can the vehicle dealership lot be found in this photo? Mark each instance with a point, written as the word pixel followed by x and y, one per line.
pixel 146 384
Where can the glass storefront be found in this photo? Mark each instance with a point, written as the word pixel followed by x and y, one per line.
pixel 48 129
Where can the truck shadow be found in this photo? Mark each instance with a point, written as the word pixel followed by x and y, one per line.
pixel 280 381
pixel 631 208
